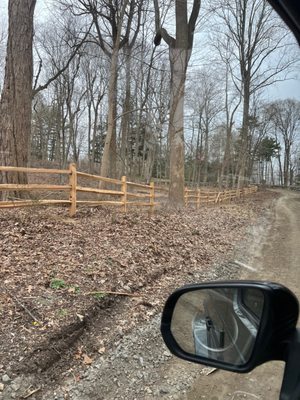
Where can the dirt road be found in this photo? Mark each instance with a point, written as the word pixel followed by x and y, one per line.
pixel 276 258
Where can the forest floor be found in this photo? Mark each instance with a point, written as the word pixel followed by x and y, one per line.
pixel 72 288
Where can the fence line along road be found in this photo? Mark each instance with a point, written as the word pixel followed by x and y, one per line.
pixel 124 194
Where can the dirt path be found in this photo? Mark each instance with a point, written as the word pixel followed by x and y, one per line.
pixel 278 259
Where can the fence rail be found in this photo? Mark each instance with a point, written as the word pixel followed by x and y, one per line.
pixel 125 195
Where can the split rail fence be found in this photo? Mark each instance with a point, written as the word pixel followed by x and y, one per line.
pixel 120 193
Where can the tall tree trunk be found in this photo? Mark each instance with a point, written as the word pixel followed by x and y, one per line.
pixel 205 166
pixel 89 131
pixel 243 159
pixel 109 158
pixel 180 50
pixel 149 150
pixel 286 164
pixel 197 157
pixel 200 158
pixel 280 171
pixel 227 159
pixel 126 113
pixel 272 173
pixel 16 97
pixel 179 61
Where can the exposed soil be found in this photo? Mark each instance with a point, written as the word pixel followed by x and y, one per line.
pixel 275 256
pixel 54 324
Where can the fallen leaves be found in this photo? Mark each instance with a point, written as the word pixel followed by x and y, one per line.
pixel 87 360
pixel 101 350
pixel 83 357
pixel 126 257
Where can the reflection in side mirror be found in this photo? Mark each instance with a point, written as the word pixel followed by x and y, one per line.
pixel 218 324
pixel 233 325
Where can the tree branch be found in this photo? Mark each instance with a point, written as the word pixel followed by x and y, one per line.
pixel 194 16
pixel 63 69
pixel 163 34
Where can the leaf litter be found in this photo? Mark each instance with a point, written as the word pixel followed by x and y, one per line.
pixel 57 274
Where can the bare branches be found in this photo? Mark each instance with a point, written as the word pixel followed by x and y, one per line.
pixel 193 18
pixel 63 69
pixel 256 35
pixel 161 33
pixel 285 118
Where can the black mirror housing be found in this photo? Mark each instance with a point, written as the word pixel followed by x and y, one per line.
pixel 269 330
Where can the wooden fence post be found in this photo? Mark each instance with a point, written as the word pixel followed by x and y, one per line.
pixel 218 197
pixel 73 185
pixel 152 196
pixel 124 190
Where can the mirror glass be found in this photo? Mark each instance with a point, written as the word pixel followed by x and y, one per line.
pixel 220 324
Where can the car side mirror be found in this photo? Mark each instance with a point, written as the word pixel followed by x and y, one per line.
pixel 230 325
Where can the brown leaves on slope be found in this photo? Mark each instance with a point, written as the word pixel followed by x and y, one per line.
pixel 49 262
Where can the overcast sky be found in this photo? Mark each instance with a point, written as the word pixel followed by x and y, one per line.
pixel 290 88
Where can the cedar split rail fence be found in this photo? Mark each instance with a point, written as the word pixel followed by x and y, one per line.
pixel 126 193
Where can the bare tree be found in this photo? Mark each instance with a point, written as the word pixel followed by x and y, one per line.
pixel 232 101
pixel 60 40
pixel 113 28
pixel 95 73
pixel 46 129
pixel 180 50
pixel 204 99
pixel 150 100
pixel 64 98
pixel 255 35
pixel 131 57
pixel 285 116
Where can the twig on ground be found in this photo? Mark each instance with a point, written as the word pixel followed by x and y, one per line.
pixel 31 393
pixel 115 293
pixel 208 371
pixel 22 305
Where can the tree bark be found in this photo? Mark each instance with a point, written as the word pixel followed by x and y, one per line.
pixel 180 50
pixel 244 154
pixel 206 151
pixel 126 113
pixel 108 163
pixel 286 163
pixel 15 102
pixel 179 61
